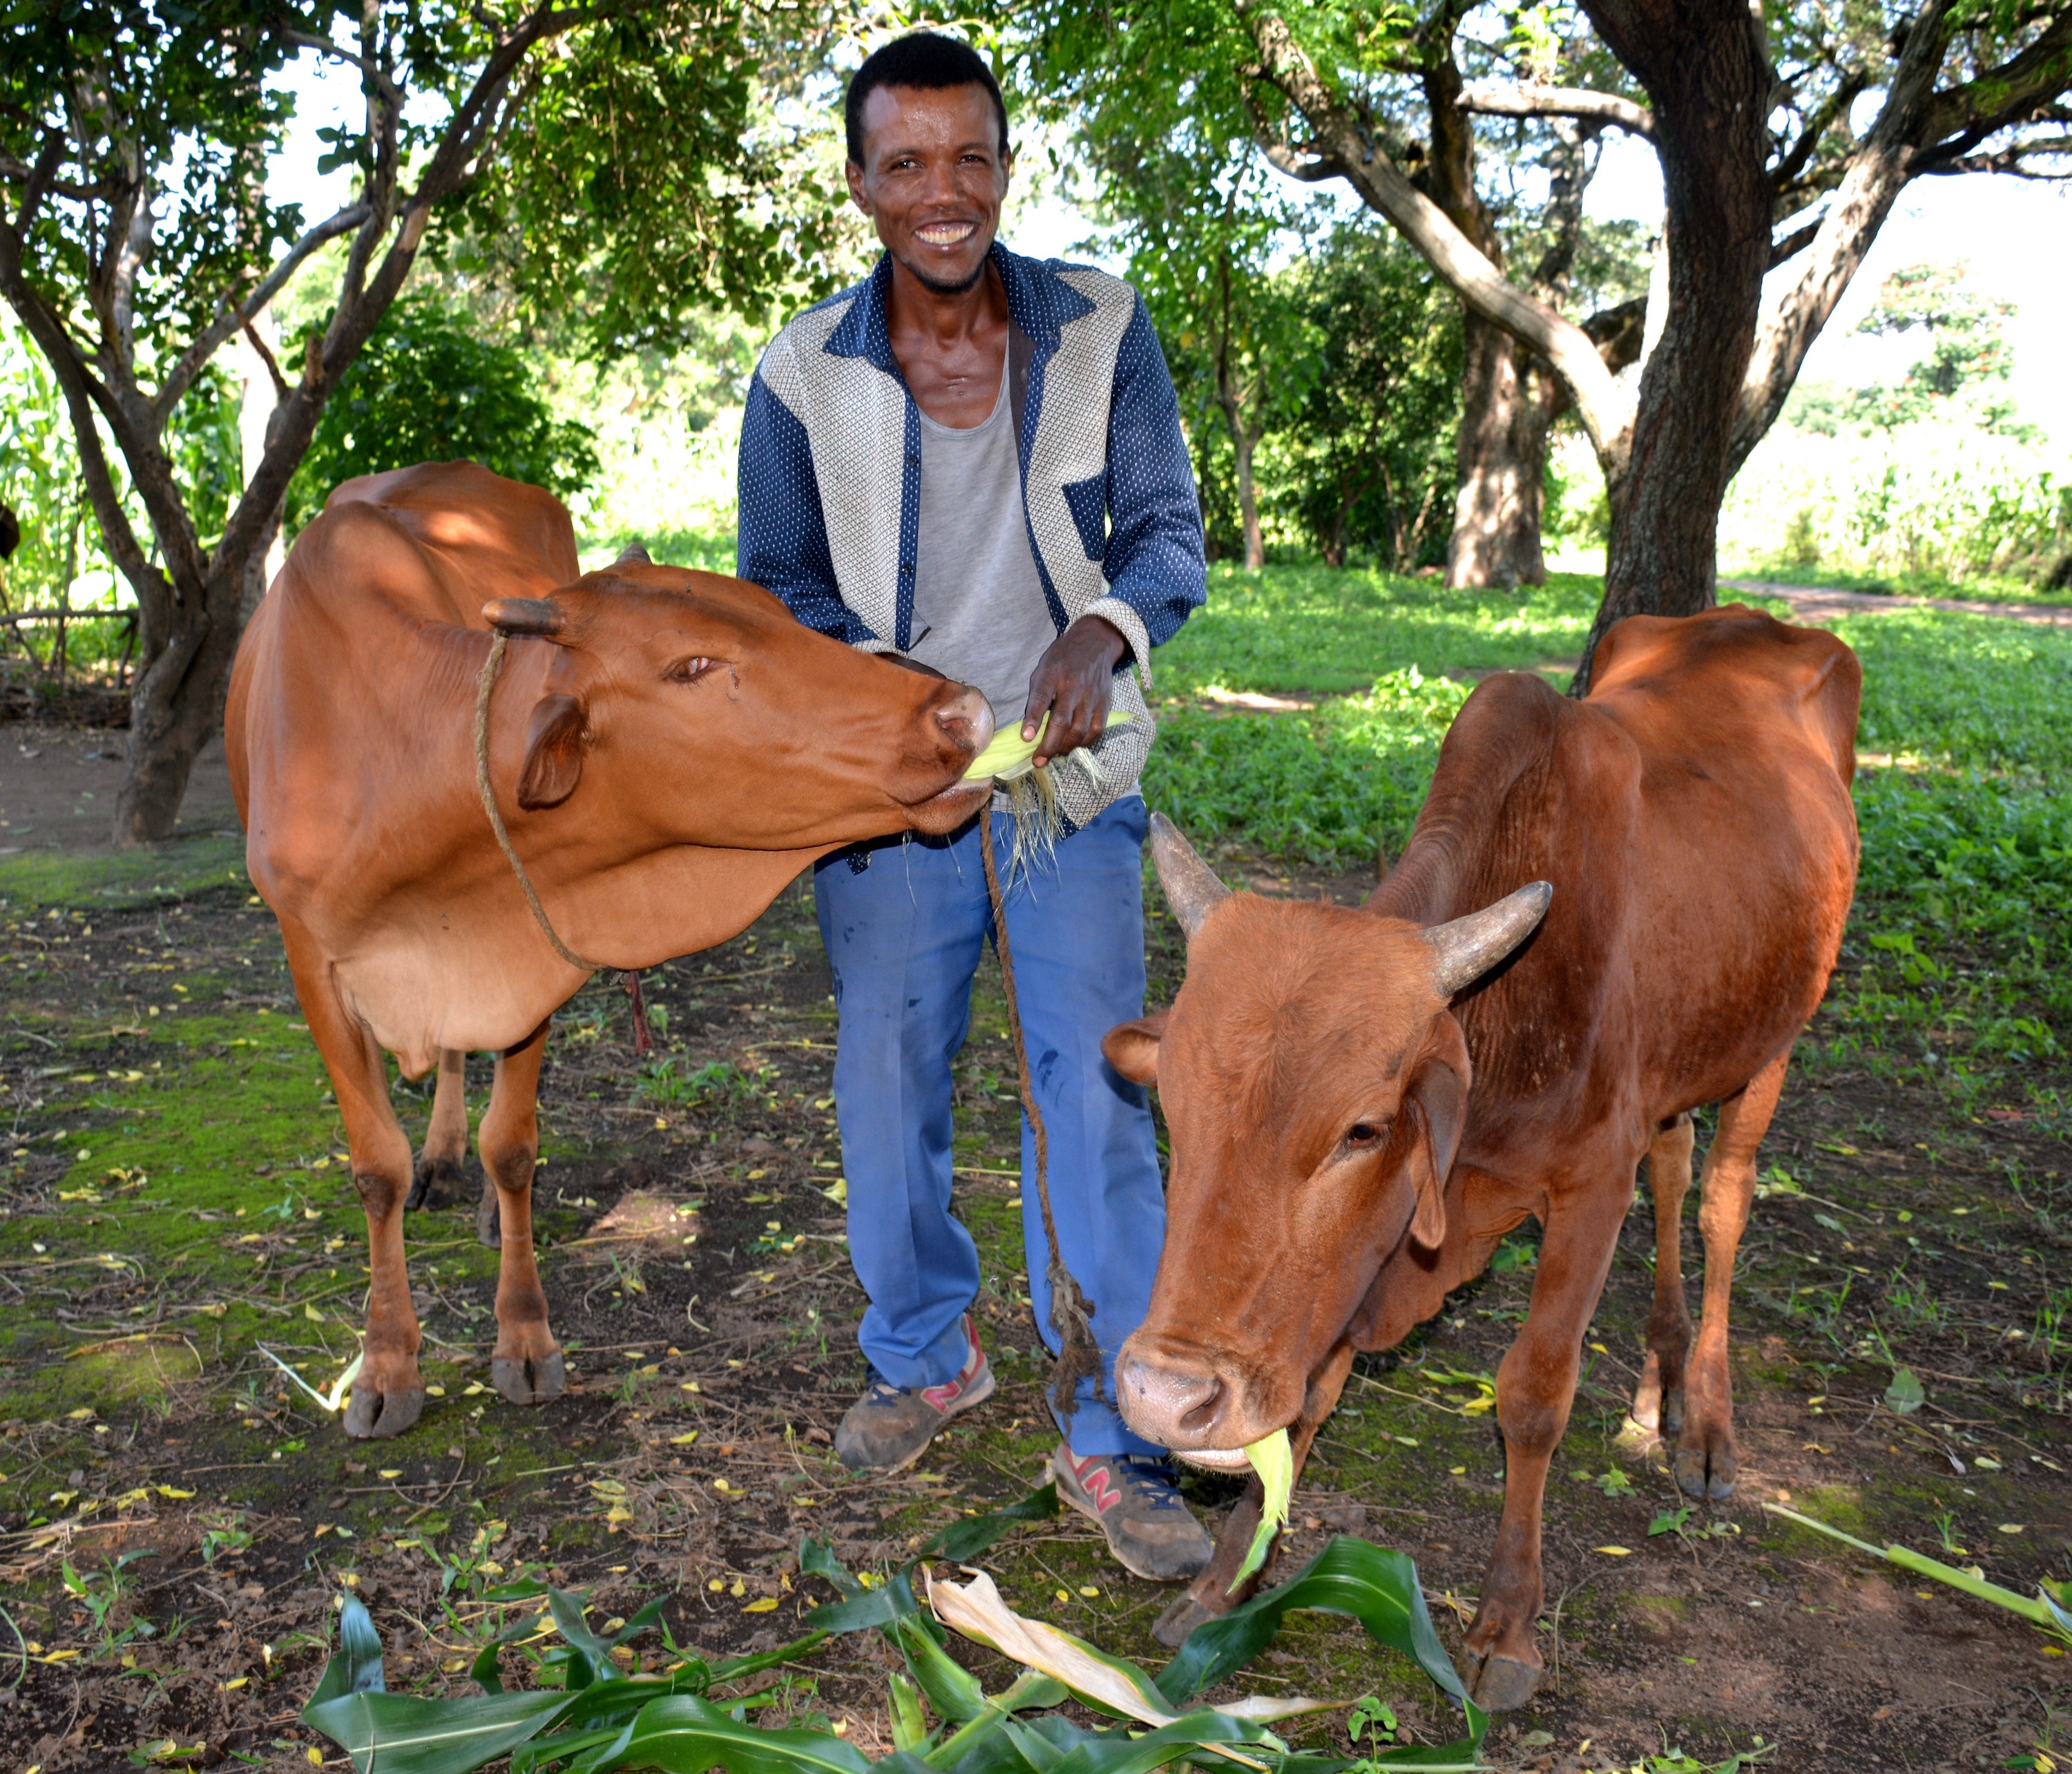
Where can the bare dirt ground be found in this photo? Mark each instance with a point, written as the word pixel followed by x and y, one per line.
pixel 58 787
pixel 1821 604
pixel 176 1521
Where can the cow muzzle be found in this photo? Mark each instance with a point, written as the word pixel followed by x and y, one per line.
pixel 1182 1403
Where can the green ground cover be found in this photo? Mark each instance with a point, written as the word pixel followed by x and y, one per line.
pixel 175 1196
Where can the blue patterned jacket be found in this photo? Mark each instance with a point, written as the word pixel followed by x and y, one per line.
pixel 830 483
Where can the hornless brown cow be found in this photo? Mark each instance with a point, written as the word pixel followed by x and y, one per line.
pixel 1362 1103
pixel 668 749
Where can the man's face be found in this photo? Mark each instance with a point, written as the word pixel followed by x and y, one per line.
pixel 932 178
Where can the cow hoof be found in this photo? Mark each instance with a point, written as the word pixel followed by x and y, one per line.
pixel 1709 1477
pixel 434 1183
pixel 526 1382
pixel 1498 1683
pixel 378 1415
pixel 1178 1620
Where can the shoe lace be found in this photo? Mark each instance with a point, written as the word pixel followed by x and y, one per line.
pixel 1150 1479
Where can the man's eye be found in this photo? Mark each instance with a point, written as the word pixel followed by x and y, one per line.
pixel 689 671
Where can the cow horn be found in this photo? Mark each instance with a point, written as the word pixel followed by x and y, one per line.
pixel 633 554
pixel 525 615
pixel 1466 948
pixel 1190 885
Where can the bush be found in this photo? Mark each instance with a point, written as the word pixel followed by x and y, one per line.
pixel 426 388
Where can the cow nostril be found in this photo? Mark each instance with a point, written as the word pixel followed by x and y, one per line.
pixel 1201 1417
pixel 967 721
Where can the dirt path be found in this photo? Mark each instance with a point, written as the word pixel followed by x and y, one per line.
pixel 58 786
pixel 1817 604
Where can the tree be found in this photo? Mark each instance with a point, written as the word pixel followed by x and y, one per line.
pixel 1365 458
pixel 1185 70
pixel 1968 353
pixel 1761 164
pixel 607 145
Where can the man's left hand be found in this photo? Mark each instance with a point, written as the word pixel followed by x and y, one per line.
pixel 1074 680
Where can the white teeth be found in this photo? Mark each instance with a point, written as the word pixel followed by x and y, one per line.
pixel 945 234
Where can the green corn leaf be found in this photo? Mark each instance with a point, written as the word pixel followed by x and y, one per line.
pixel 401 1733
pixel 2043 1611
pixel 485 1672
pixel 1374 1586
pixel 356 1666
pixel 910 1724
pixel 568 1611
pixel 874 1608
pixel 684 1734
pixel 815 1559
pixel 1117 1752
pixel 740 1668
pixel 1031 1690
pixel 953 1689
pixel 1274 1461
pixel 963 1539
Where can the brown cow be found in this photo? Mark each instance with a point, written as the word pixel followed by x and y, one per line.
pixel 668 748
pixel 1362 1103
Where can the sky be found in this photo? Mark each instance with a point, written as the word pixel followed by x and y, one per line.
pixel 2014 236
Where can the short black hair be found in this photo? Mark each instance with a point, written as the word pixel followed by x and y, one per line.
pixel 924 59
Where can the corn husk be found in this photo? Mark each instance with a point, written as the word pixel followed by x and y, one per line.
pixel 1274 1461
pixel 1009 757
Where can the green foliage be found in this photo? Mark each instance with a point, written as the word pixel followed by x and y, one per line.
pixel 428 388
pixel 1365 462
pixel 1968 351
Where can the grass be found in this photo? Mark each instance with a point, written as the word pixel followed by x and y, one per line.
pixel 1958 969
pixel 127 878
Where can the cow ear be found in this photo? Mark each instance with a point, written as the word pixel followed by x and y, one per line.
pixel 554 753
pixel 1439 1090
pixel 1131 1048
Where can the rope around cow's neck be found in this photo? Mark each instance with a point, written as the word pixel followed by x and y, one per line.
pixel 642 1041
pixel 1072 1312
pixel 490 667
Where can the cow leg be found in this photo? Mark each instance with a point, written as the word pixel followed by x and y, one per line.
pixel 527 1366
pixel 1535 1387
pixel 435 1176
pixel 389 1392
pixel 1706 1461
pixel 1210 1595
pixel 1657 1401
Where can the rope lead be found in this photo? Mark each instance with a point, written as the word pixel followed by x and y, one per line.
pixel 1072 1312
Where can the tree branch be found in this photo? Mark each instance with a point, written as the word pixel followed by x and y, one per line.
pixel 1492 98
pixel 233 317
pixel 1605 408
pixel 1792 244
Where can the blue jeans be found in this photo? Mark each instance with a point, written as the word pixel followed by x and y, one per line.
pixel 905 936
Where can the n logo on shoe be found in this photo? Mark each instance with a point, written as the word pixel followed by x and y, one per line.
pixel 1100 1488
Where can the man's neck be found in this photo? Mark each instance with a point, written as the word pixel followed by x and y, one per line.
pixel 946 320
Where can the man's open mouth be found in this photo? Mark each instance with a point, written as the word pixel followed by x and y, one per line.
pixel 946 233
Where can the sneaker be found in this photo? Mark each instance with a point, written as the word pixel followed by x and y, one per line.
pixel 887 1428
pixel 1136 1499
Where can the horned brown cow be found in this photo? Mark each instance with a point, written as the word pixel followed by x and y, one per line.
pixel 668 748
pixel 1362 1103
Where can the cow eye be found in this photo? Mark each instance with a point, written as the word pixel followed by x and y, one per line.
pixel 1362 1135
pixel 689 671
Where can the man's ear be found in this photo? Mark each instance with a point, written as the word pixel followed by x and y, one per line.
pixel 1438 1089
pixel 1131 1048
pixel 554 753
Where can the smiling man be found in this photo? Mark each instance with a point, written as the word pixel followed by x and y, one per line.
pixel 972 461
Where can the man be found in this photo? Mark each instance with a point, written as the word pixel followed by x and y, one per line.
pixel 972 461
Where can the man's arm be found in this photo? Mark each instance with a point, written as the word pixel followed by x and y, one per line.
pixel 1155 566
pixel 782 541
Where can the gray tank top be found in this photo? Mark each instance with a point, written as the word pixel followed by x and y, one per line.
pixel 979 613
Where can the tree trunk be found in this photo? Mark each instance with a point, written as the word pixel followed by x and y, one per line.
pixel 1706 73
pixel 1247 498
pixel 176 703
pixel 1501 457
